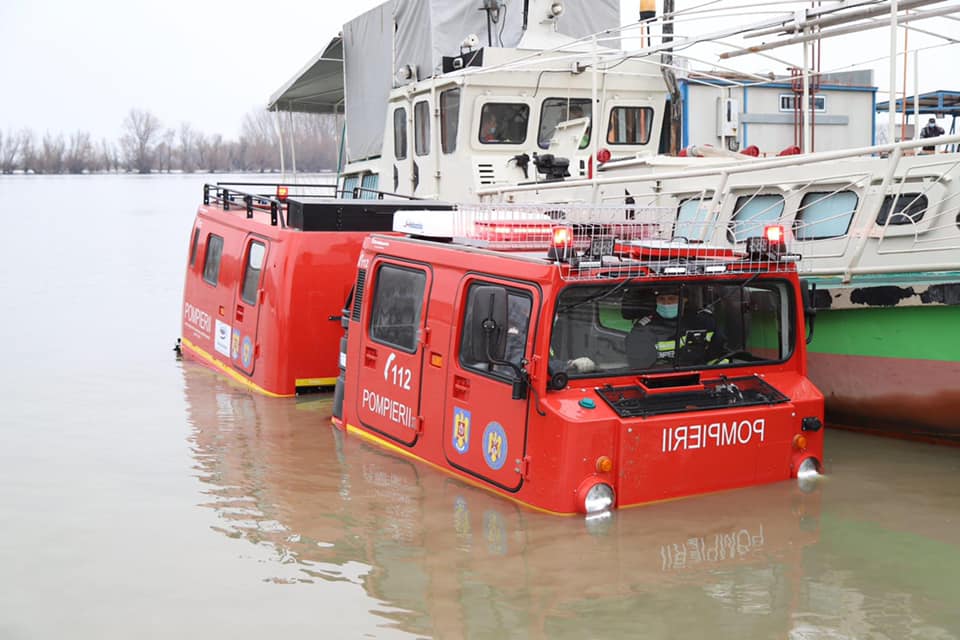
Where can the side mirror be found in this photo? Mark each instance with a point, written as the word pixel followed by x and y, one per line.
pixel 808 292
pixel 487 324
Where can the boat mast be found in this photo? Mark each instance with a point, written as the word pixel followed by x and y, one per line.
pixel 676 108
pixel 892 100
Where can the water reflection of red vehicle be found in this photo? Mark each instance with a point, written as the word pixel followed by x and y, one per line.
pixel 459 561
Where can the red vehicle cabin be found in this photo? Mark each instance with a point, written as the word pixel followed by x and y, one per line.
pixel 535 374
pixel 266 280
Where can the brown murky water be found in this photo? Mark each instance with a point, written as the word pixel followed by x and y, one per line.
pixel 142 497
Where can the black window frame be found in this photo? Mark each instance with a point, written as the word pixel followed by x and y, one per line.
pixel 585 104
pixel 649 129
pixel 522 107
pixel 400 133
pixel 901 213
pixel 738 206
pixel 193 246
pixel 377 331
pixel 502 373
pixel 212 256
pixel 783 288
pixel 250 296
pixel 421 128
pixel 449 119
pixel 798 219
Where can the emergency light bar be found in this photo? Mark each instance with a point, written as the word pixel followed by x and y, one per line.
pixel 620 238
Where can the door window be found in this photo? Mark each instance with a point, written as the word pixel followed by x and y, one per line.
pixel 519 305
pixel 449 119
pixel 251 274
pixel 421 128
pixel 397 304
pixel 400 134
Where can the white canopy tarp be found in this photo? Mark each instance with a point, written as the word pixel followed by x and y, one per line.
pixel 317 87
pixel 355 73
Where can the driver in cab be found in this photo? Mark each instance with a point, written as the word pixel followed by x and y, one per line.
pixel 659 329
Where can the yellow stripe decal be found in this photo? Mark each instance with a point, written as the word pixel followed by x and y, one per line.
pixel 380 442
pixel 206 357
pixel 315 382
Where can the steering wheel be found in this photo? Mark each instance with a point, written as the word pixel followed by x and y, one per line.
pixel 735 353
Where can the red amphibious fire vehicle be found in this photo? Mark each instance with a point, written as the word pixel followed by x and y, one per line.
pixel 579 361
pixel 267 275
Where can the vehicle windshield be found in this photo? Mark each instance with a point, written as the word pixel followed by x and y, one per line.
pixel 631 327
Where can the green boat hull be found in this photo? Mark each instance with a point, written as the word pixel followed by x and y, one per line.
pixel 893 369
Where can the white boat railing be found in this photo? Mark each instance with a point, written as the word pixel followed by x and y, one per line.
pixel 871 210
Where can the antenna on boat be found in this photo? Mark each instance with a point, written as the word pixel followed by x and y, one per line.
pixel 492 8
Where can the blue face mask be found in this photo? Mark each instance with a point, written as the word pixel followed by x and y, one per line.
pixel 668 311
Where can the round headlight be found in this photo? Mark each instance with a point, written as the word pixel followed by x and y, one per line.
pixel 600 497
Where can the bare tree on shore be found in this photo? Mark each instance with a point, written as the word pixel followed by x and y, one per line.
pixel 10 148
pixel 52 150
pixel 146 146
pixel 79 155
pixel 141 130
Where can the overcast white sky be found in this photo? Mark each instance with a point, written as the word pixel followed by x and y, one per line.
pixel 67 65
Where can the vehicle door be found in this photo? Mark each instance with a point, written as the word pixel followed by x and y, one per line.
pixel 238 341
pixel 485 429
pixel 391 358
pixel 402 177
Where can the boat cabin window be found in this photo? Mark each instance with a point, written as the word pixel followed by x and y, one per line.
pixel 421 128
pixel 609 329
pixel 400 134
pixel 349 184
pixel 905 208
pixel 519 305
pixel 630 125
pixel 557 110
pixel 449 119
pixel 825 215
pixel 193 246
pixel 504 123
pixel 251 274
pixel 397 304
pixel 211 262
pixel 752 213
pixel 692 219
pixel 369 185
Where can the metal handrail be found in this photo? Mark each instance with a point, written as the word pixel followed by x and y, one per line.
pixel 251 202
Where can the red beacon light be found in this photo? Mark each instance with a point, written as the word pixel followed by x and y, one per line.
pixel 603 155
pixel 769 246
pixel 774 233
pixel 561 248
pixel 282 193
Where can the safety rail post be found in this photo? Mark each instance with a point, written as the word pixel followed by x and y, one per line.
pixel 273 212
pixel 864 230
pixel 206 194
pixel 248 200
pixel 225 198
